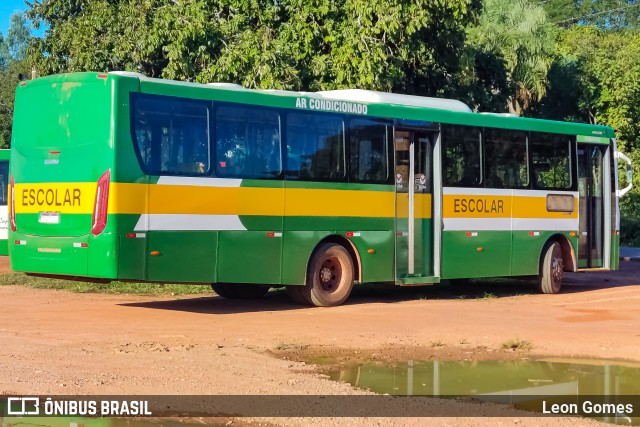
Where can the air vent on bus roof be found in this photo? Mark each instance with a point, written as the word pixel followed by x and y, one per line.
pixel 370 96
pixel 226 85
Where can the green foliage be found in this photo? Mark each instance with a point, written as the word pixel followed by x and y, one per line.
pixel 597 79
pixel 561 10
pixel 18 37
pixel 519 33
pixel 13 50
pixel 407 46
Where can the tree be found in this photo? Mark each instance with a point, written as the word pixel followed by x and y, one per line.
pixel 602 68
pixel 561 10
pixel 519 33
pixel 608 14
pixel 18 37
pixel 12 63
pixel 412 46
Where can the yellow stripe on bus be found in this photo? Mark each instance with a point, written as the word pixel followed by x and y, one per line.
pixel 476 206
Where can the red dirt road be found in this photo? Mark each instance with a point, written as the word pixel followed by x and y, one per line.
pixel 56 342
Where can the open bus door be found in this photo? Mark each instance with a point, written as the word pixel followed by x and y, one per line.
pixel 414 205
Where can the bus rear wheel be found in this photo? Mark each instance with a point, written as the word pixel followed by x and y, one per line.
pixel 329 276
pixel 551 268
pixel 240 291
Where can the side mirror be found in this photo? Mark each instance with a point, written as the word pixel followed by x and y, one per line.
pixel 629 171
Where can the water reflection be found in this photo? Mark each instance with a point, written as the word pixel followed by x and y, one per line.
pixel 524 381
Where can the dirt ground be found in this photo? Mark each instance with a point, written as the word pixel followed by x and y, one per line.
pixel 57 342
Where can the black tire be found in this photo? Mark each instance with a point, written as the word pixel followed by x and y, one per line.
pixel 250 291
pixel 551 268
pixel 329 276
pixel 223 290
pixel 240 290
pixel 297 295
pixel 459 283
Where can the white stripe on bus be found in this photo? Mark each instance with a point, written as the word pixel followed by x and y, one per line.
pixel 199 182
pixel 507 224
pixel 188 222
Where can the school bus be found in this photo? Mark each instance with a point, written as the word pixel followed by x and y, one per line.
pixel 120 176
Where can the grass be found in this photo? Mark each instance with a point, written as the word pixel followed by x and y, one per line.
pixel 290 346
pixel 517 344
pixel 488 295
pixel 21 279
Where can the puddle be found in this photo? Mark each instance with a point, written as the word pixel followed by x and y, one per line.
pixel 524 383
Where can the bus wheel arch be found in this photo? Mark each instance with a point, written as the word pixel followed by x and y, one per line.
pixel 332 269
pixel 551 267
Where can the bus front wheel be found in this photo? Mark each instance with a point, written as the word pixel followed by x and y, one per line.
pixel 551 268
pixel 329 276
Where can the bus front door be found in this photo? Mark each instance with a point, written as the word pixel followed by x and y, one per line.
pixel 591 205
pixel 414 226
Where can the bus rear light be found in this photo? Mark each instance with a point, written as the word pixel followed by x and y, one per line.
pixel 99 218
pixel 472 234
pixel 136 235
pixel 12 205
pixel 20 242
pixel 534 233
pixel 352 234
pixel 80 245
pixel 102 76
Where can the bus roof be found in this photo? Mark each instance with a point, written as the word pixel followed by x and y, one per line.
pixel 381 104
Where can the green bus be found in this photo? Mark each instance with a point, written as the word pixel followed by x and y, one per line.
pixel 4 213
pixel 120 176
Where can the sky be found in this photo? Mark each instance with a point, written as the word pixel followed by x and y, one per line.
pixel 7 7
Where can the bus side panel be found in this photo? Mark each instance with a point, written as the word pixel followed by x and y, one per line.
pixel 377 266
pixel 480 254
pixel 182 256
pixel 133 249
pixel 476 240
pixel 250 257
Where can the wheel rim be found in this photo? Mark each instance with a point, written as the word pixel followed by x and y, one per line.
pixel 556 269
pixel 330 275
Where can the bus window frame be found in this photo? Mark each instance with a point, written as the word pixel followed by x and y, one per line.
pixel 133 98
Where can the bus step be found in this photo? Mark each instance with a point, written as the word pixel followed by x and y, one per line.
pixel 416 280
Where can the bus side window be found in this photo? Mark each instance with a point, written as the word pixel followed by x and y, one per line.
pixel 171 135
pixel 368 142
pixel 461 156
pixel 315 147
pixel 505 158
pixel 551 161
pixel 247 142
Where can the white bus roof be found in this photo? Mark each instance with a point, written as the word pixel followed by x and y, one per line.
pixel 355 95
